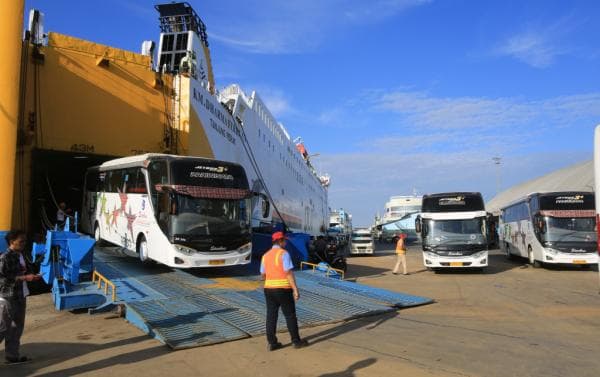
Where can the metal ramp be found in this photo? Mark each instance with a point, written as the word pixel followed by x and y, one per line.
pixel 183 310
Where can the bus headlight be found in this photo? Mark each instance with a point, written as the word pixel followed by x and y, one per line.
pixel 245 248
pixel 551 251
pixel 184 249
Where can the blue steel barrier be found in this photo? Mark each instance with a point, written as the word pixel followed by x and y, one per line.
pixel 3 244
pixel 67 256
pixel 297 245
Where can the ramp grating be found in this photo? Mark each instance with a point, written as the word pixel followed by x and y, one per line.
pixel 393 298
pixel 185 310
pixel 181 324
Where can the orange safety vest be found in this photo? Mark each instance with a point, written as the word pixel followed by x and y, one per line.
pixel 400 248
pixel 275 275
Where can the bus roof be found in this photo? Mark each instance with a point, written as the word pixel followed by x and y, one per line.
pixel 447 194
pixel 544 193
pixel 139 160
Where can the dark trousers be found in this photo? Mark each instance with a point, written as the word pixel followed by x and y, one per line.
pixel 284 298
pixel 12 323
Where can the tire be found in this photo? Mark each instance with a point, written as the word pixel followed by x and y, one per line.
pixel 534 263
pixel 142 250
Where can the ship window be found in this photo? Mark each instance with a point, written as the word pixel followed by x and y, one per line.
pixel 168 42
pixel 178 57
pixel 182 40
pixel 165 59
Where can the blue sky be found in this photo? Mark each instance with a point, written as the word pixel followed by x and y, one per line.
pixel 397 95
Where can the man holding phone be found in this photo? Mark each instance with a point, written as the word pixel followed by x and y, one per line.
pixel 13 293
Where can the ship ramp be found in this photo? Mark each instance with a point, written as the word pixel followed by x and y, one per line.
pixel 184 309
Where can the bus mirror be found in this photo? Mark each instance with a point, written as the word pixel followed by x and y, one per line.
pixel 418 225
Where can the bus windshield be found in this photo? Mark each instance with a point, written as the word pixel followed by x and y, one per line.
pixel 454 232
pixel 208 217
pixel 574 229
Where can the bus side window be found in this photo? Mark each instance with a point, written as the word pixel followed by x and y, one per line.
pixel 115 181
pixel 157 175
pixel 136 184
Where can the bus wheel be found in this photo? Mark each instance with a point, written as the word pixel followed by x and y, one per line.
pixel 534 263
pixel 142 250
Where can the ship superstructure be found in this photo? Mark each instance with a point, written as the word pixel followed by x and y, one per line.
pixel 400 206
pixel 232 126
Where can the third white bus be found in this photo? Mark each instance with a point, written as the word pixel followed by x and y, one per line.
pixel 551 227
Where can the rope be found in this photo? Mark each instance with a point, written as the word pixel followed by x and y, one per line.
pixel 247 148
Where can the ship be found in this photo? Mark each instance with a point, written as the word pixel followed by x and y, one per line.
pixel 233 126
pixel 399 217
pixel 81 103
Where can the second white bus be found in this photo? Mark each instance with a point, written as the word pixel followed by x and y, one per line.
pixel 553 228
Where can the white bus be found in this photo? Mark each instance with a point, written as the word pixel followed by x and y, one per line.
pixel 179 211
pixel 361 241
pixel 553 227
pixel 454 230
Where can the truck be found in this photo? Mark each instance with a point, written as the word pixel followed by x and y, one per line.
pixel 361 241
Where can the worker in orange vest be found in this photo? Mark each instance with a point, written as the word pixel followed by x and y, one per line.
pixel 401 255
pixel 276 268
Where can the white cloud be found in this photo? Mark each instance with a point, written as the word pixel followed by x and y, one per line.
pixel 277 27
pixel 540 46
pixel 531 48
pixel 444 144
pixel 419 110
pixel 276 101
pixel 374 177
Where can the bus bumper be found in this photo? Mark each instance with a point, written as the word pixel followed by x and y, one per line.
pixel 433 260
pixel 361 250
pixel 212 260
pixel 570 258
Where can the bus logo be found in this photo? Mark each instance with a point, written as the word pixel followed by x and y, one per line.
pixel 213 169
pixel 569 199
pixel 456 200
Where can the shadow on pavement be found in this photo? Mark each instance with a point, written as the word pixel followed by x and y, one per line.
pixel 349 372
pixel 367 322
pixel 48 354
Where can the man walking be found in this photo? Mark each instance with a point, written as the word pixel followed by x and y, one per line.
pixel 276 269
pixel 13 293
pixel 401 255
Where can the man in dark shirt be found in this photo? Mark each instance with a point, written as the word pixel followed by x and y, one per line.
pixel 13 293
pixel 321 248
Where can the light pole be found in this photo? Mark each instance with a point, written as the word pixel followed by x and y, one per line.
pixel 497 161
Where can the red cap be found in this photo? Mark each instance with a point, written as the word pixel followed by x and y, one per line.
pixel 277 236
pixel 402 235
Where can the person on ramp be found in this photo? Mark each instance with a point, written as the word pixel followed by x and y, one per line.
pixel 280 288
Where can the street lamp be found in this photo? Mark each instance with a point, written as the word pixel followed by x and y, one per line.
pixel 497 161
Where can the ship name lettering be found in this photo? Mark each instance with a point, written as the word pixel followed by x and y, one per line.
pixel 221 130
pixel 224 118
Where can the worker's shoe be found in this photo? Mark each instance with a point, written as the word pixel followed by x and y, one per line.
pixel 274 346
pixel 16 360
pixel 301 343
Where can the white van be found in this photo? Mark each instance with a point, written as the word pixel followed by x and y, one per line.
pixel 361 242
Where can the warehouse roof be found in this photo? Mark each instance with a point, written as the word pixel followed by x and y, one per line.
pixel 578 177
